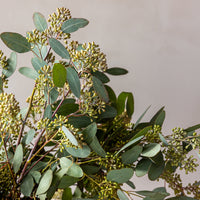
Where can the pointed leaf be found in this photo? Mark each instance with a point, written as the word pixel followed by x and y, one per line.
pixel 73 24
pixel 131 184
pixel 110 112
pixel 67 194
pixel 79 122
pixel 48 112
pixel 18 158
pixel 16 42
pixel 116 71
pixel 27 186
pixel 28 72
pixel 131 155
pixel 156 116
pixel 89 132
pixel 97 148
pixel 38 63
pixel 45 182
pixel 59 48
pixel 120 175
pixel 70 136
pixel 11 66
pixel 29 136
pixel 74 81
pixel 121 195
pixel 162 138
pixel 140 118
pixel 111 94
pixel 100 89
pixel 39 21
pixel 59 75
pixel 192 128
pixel 101 76
pixel 53 95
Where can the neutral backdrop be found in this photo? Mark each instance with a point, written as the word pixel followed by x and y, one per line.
pixel 158 41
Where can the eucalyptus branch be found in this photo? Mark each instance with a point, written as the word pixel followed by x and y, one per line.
pixel 26 117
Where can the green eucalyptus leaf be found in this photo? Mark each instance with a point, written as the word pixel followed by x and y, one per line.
pixel 28 72
pixel 81 152
pixel 67 109
pixel 48 112
pixel 89 132
pixel 101 76
pixel 110 112
pixel 53 95
pixel 75 171
pixel 27 185
pixel 121 195
pixel 67 181
pixel 40 50
pixel 11 66
pixel 59 75
pixel 79 122
pixel 18 158
pixel 163 139
pixel 70 136
pixel 131 155
pixel 116 71
pixel 74 81
pixel 142 167
pixel 73 24
pixel 181 198
pixel 160 119
pixel 130 143
pixel 59 48
pixel 45 182
pixel 131 184
pixel 90 169
pixel 111 95
pixel 29 136
pixel 140 118
pixel 38 63
pixel 155 171
pixel 97 148
pixel 159 114
pixel 67 194
pixel 100 89
pixel 15 42
pixel 192 128
pixel 36 175
pixel 150 150
pixel 120 175
pixel 39 21
pixel 40 165
pixel 1 85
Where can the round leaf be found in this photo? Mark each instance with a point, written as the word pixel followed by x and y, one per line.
pixel 155 171
pixel 120 175
pixel 150 150
pixel 27 185
pixel 16 42
pixel 73 24
pixel 142 167
pixel 90 132
pixel 83 152
pixel 45 182
pixel 59 75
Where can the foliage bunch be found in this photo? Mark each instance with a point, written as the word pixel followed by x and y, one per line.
pixel 76 131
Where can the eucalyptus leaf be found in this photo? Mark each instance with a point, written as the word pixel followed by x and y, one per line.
pixel 73 24
pixel 121 195
pixel 45 182
pixel 89 132
pixel 155 171
pixel 131 184
pixel 67 181
pixel 28 72
pixel 59 48
pixel 116 71
pixel 67 194
pixel 59 75
pixel 1 85
pixel 29 136
pixel 111 95
pixel 70 136
pixel 150 150
pixel 79 121
pixel 100 89
pixel 74 81
pixel 192 128
pixel 18 158
pixel 27 185
pixel 48 112
pixel 15 42
pixel 97 148
pixel 142 167
pixel 39 21
pixel 53 95
pixel 38 63
pixel 109 112
pixel 68 108
pixel 163 139
pixel 101 76
pixel 157 116
pixel 120 175
pixel 36 175
pixel 11 66
pixel 81 152
pixel 131 155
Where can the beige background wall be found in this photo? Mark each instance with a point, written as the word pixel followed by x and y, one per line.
pixel 158 41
